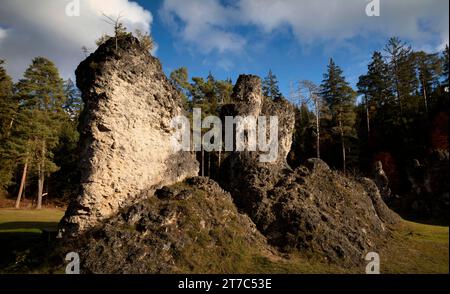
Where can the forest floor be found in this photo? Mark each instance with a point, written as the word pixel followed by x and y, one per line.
pixel 413 248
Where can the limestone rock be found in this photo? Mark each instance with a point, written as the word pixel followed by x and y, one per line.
pixel 171 233
pixel 382 181
pixel 125 132
pixel 312 209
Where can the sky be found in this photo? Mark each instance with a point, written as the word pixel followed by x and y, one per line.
pixel 293 38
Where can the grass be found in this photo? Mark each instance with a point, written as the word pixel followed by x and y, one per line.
pixel 21 237
pixel 417 248
pixel 414 248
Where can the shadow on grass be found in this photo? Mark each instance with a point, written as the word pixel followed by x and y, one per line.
pixel 27 225
pixel 23 245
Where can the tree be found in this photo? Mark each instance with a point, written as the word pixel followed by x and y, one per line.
pixel 73 103
pixel 180 80
pixel 402 70
pixel 312 95
pixel 340 98
pixel 119 29
pixel 445 65
pixel 363 88
pixel 224 90
pixel 8 114
pixel 8 106
pixel 429 69
pixel 41 94
pixel 145 39
pixel 270 86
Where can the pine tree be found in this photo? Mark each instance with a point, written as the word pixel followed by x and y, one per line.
pixel 180 80
pixel 73 103
pixel 224 90
pixel 270 86
pixel 363 88
pixel 313 97
pixel 8 114
pixel 445 65
pixel 41 94
pixel 210 92
pixel 402 70
pixel 429 69
pixel 340 98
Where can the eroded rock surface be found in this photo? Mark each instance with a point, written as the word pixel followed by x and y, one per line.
pixel 312 209
pixel 192 226
pixel 125 132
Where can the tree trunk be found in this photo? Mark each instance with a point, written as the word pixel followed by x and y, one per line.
pixel 41 175
pixel 343 153
pixel 317 128
pixel 343 146
pixel 367 117
pixel 425 98
pixel 11 124
pixel 22 184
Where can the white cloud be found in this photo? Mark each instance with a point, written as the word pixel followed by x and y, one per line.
pixel 203 23
pixel 42 28
pixel 3 33
pixel 211 25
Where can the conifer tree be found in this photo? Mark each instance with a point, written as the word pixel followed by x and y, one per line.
pixel 41 94
pixel 8 113
pixel 340 98
pixel 73 103
pixel 428 71
pixel 445 72
pixel 401 68
pixel 270 86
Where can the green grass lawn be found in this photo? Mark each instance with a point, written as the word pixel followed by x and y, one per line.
pixel 413 248
pixel 417 248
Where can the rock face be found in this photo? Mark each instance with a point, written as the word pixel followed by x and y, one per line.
pixel 188 227
pixel 382 181
pixel 125 132
pixel 313 208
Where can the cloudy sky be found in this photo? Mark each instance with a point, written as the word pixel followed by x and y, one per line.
pixel 294 38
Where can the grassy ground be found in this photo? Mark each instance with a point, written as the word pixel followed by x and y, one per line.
pixel 21 237
pixel 417 248
pixel 413 248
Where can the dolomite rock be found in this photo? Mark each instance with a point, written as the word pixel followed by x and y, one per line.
pixel 125 133
pixel 312 209
pixel 248 100
pixel 242 173
pixel 188 227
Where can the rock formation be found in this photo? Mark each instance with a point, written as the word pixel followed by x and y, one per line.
pixel 125 132
pixel 313 208
pixel 382 181
pixel 189 226
pixel 127 223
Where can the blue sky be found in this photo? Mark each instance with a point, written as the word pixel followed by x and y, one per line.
pixel 294 38
pixel 279 49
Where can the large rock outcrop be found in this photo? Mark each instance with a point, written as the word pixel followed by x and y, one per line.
pixel 313 208
pixel 125 132
pixel 192 226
